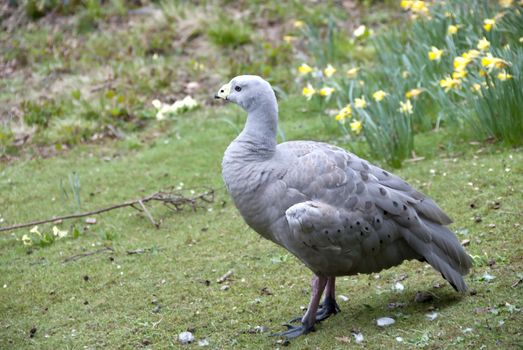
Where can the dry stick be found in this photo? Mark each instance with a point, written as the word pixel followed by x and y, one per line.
pixel 83 255
pixel 148 214
pixel 165 197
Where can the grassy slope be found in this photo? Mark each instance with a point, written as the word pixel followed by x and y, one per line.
pixel 114 308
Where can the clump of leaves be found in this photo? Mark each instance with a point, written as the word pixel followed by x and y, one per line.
pixel 226 33
pixel 40 112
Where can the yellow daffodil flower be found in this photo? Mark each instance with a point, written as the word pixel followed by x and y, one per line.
pixel 491 62
pixel 356 126
pixel 483 44
pixel 289 38
pixel 344 113
pixel 340 118
pixel 449 83
pixel 308 91
pixel 460 63
pixel 329 71
pixel 360 31
pixel 405 74
pixel 352 73
pixel 413 93
pixel 360 102
pixel 435 54
pixel 406 107
pixel 452 29
pixel 504 76
pixel 488 24
pixel 326 91
pixel 476 87
pixel 406 4
pixel 298 24
pixel 304 69
pixel 459 75
pixel 379 95
pixel 471 54
pixel 505 3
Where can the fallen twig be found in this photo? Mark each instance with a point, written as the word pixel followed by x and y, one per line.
pixel 83 255
pixel 171 199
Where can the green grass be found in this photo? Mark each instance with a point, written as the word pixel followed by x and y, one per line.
pixel 114 308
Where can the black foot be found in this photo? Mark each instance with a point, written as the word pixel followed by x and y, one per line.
pixel 327 308
pixel 294 331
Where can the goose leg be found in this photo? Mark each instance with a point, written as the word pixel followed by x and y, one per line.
pixel 309 319
pixel 329 306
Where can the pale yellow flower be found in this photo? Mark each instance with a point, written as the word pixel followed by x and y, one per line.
pixel 59 233
pixel 483 44
pixel 308 91
pixel 344 113
pixel 471 54
pixel 360 102
pixel 298 24
pixel 405 74
pixel 329 71
pixel 326 91
pixel 27 240
pixel 340 118
pixel 360 31
pixel 304 69
pixel 452 29
pixel 504 76
pixel 521 39
pixel 352 73
pixel 505 3
pixel 356 126
pixel 491 62
pixel 459 75
pixel 488 24
pixel 35 230
pixel 460 63
pixel 449 83
pixel 379 95
pixel 406 107
pixel 413 93
pixel 157 104
pixel 289 39
pixel 476 87
pixel 435 54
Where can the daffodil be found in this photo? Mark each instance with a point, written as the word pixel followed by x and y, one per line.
pixel 329 71
pixel 352 73
pixel 452 29
pixel 344 113
pixel 326 91
pixel 405 74
pixel 308 91
pixel 360 102
pixel 27 240
pixel 413 93
pixel 304 69
pixel 460 63
pixel 298 24
pixel 435 54
pixel 505 3
pixel 406 4
pixel 483 44
pixel 459 75
pixel 356 126
pixel 491 62
pixel 449 83
pixel 488 24
pixel 406 107
pixel 504 76
pixel 471 54
pixel 379 95
pixel 289 38
pixel 59 233
pixel 340 118
pixel 360 31
pixel 476 87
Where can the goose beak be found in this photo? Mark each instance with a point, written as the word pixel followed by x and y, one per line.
pixel 224 91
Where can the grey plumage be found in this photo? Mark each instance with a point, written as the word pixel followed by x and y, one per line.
pixel 337 213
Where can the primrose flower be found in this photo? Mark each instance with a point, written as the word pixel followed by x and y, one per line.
pixel 27 240
pixel 360 102
pixel 304 69
pixel 308 91
pixel 360 31
pixel 488 24
pixel 164 109
pixel 329 71
pixel 460 63
pixel 352 73
pixel 483 44
pixel 59 233
pixel 379 95
pixel 406 107
pixel 326 91
pixel 413 93
pixel 449 83
pixel 504 76
pixel 452 29
pixel 157 104
pixel 356 126
pixel 491 62
pixel 298 24
pixel 435 54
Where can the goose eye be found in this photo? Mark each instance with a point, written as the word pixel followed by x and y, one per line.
pixel 237 88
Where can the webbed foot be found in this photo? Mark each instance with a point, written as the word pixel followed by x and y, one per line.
pixel 294 331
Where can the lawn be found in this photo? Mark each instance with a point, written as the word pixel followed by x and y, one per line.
pixel 143 286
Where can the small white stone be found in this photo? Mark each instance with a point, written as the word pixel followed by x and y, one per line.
pixel 185 337
pixel 385 321
pixel 431 316
pixel 399 339
pixel 203 342
pixel 343 297
pixel 398 287
pixel 358 337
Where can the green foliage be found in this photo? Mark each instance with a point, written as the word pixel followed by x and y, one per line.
pixel 42 112
pixel 228 33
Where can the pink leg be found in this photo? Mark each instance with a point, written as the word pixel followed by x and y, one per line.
pixel 318 285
